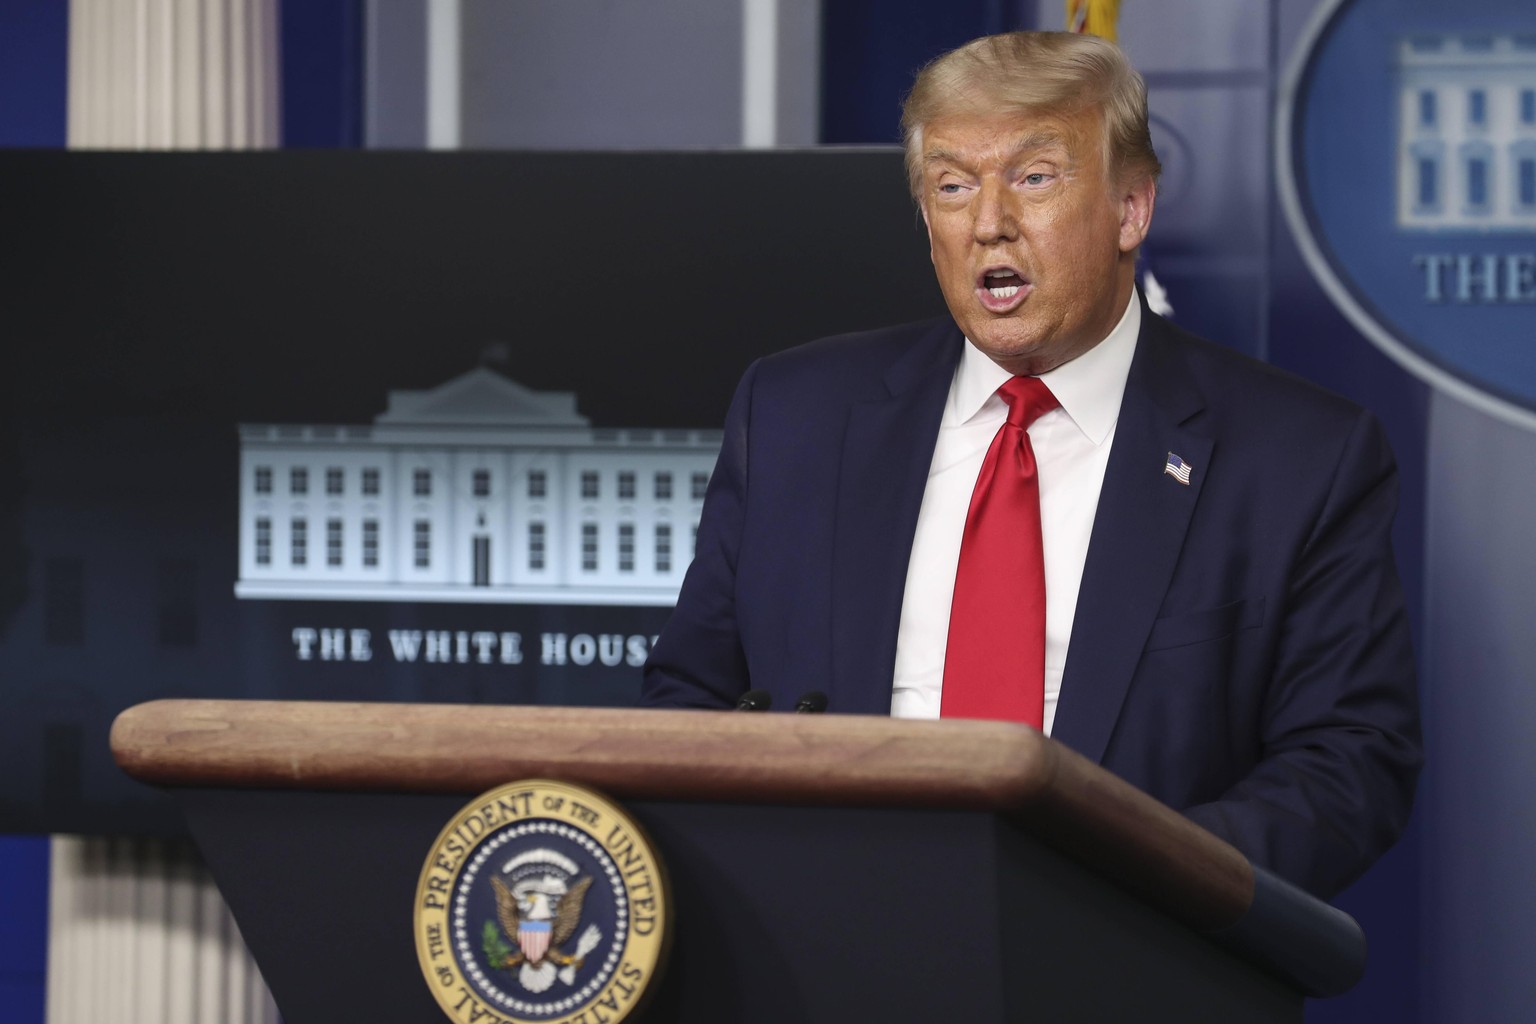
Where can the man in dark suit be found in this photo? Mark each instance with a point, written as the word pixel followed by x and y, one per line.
pixel 1222 621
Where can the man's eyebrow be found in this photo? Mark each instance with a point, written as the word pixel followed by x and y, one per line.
pixel 1040 139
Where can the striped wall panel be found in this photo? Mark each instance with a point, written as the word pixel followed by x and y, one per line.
pixel 138 934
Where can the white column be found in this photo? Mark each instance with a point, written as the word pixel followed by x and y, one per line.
pixel 138 934
pixel 444 76
pixel 759 73
pixel 173 74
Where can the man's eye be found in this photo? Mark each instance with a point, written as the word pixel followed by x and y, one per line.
pixel 1035 179
pixel 949 188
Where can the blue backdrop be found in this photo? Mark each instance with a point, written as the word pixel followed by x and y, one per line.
pixel 1241 280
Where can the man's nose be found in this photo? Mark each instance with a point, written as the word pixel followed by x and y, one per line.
pixel 996 217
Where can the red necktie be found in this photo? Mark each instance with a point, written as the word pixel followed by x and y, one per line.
pixel 994 663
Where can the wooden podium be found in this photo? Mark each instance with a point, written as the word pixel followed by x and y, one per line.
pixel 823 867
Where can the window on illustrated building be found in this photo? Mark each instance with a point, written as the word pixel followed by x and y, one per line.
pixel 1525 179
pixel 422 544
pixel 663 547
pixel 626 547
pixel 1428 188
pixel 589 547
pixel 1477 182
pixel 1477 107
pixel 536 546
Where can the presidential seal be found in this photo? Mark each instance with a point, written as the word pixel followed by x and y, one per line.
pixel 541 902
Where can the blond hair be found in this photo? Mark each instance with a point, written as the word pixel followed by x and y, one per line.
pixel 1031 73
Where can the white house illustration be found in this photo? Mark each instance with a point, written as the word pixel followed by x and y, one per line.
pixel 479 490
pixel 1466 113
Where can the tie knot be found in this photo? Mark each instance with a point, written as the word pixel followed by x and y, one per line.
pixel 1028 399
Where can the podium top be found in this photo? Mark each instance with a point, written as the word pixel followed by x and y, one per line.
pixel 652 754
pixel 1011 770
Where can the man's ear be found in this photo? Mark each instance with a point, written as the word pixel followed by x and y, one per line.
pixel 1136 203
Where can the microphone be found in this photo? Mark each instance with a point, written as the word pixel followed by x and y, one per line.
pixel 755 700
pixel 814 702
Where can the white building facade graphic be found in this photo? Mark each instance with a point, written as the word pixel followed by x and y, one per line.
pixel 479 490
pixel 1467 132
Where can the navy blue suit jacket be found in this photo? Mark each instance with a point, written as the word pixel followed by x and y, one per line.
pixel 1240 649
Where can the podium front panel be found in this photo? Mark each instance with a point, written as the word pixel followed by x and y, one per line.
pixel 804 914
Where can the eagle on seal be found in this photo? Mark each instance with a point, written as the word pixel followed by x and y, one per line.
pixel 541 913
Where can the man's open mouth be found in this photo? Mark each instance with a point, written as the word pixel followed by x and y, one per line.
pixel 1003 284
pixel 1001 289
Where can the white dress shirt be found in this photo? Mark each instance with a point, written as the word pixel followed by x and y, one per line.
pixel 1071 445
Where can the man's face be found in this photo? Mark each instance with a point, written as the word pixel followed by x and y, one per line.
pixel 1033 247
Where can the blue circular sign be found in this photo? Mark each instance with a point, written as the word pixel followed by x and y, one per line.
pixel 1407 169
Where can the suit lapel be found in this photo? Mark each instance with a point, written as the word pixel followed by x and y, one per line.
pixel 887 448
pixel 1138 533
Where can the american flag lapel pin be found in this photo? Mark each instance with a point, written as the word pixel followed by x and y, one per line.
pixel 1178 469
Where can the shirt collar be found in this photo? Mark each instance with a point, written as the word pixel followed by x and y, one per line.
pixel 1089 387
